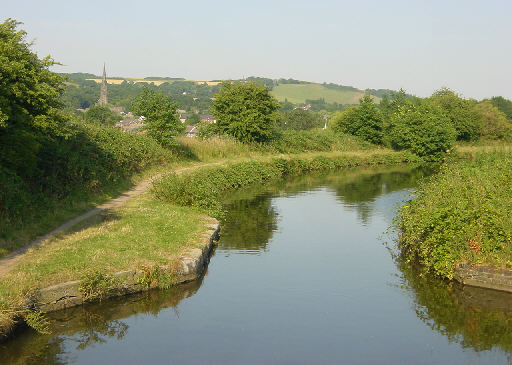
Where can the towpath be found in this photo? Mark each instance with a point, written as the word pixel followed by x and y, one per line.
pixel 10 261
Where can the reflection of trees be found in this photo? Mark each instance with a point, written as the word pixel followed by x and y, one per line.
pixel 89 324
pixel 474 317
pixel 249 223
pixel 361 189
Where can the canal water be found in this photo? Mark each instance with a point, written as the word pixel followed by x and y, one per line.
pixel 304 273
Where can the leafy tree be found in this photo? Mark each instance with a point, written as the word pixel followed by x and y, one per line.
pixel 29 101
pixel 494 122
pixel 162 122
pixel 364 121
pixel 422 128
pixel 101 115
pixel 504 105
pixel 299 119
pixel 460 112
pixel 246 111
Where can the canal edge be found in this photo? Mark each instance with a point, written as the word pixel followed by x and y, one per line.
pixel 191 264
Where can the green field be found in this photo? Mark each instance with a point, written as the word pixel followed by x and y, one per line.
pixel 299 93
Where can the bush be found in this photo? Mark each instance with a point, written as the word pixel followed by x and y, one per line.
pixel 494 123
pixel 88 159
pixel 460 112
pixel 461 214
pixel 364 121
pixel 423 129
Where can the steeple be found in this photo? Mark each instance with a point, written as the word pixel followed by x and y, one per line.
pixel 103 91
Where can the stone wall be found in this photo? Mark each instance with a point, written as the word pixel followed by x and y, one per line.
pixel 484 277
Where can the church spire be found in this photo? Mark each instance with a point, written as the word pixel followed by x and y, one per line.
pixel 103 91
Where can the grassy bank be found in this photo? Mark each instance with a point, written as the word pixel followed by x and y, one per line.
pixel 461 214
pixel 143 233
pixel 91 165
pixel 203 188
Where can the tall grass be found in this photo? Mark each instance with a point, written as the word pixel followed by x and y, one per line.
pixel 284 142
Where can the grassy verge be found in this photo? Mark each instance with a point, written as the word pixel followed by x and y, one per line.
pixel 461 214
pixel 203 188
pixel 92 165
pixel 142 233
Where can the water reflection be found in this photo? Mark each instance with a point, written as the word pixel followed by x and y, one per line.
pixel 473 317
pixel 85 326
pixel 249 224
pixel 334 307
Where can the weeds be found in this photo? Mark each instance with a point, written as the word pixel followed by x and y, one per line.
pixel 97 286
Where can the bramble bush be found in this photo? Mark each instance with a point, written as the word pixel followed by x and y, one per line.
pixel 461 214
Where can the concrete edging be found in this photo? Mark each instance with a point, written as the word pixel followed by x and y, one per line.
pixel 190 266
pixel 484 277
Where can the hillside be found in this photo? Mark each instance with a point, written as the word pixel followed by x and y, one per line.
pixel 299 93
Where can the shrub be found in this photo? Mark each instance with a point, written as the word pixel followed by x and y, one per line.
pixel 461 214
pixel 364 121
pixel 423 129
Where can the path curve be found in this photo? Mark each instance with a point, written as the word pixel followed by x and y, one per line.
pixel 9 262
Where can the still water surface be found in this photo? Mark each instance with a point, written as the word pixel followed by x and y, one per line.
pixel 302 275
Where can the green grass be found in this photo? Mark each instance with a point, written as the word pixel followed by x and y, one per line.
pixel 203 187
pixel 299 93
pixel 461 214
pixel 142 233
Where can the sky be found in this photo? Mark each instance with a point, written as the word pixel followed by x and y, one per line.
pixel 419 46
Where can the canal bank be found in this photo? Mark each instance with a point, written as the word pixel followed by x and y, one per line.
pixel 144 233
pixel 286 284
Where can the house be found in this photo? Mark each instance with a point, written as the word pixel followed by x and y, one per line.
pixel 131 124
pixel 191 131
pixel 303 107
pixel 208 119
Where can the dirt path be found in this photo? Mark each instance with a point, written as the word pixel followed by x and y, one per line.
pixel 8 262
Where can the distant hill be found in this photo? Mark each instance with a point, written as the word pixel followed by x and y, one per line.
pixel 299 93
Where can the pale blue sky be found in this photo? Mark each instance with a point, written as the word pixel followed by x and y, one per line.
pixel 417 45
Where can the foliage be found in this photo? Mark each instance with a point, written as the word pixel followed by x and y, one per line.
pixel 89 159
pixel 364 121
pixel 494 122
pixel 423 129
pixel 291 141
pixel 504 105
pixel 300 119
pixel 461 214
pixel 162 122
pixel 465 121
pixel 245 111
pixel 38 321
pixel 101 115
pixel 97 286
pixel 204 187
pixel 27 88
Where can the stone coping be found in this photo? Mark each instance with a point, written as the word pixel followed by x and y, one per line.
pixel 190 266
pixel 483 276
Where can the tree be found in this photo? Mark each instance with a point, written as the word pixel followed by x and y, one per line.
pixel 299 119
pixel 364 121
pixel 101 115
pixel 422 128
pixel 246 111
pixel 494 122
pixel 504 105
pixel 29 101
pixel 460 112
pixel 162 122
